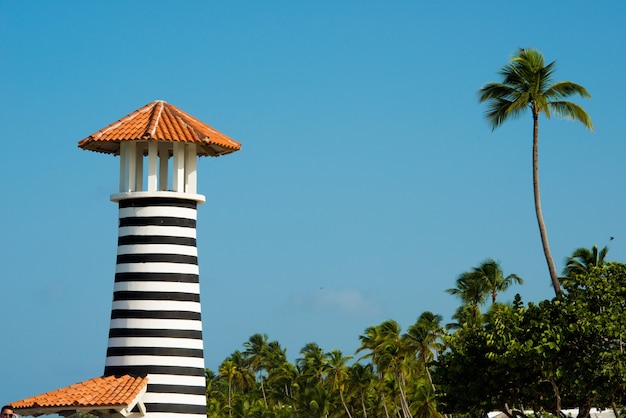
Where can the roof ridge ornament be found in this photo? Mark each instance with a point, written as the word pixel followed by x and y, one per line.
pixel 154 121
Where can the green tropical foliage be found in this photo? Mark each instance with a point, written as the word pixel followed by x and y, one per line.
pixel 395 382
pixel 545 357
pixel 522 359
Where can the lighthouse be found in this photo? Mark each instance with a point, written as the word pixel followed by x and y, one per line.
pixel 155 334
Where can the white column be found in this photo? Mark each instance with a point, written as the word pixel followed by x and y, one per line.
pixel 190 168
pixel 178 168
pixel 131 164
pixel 164 155
pixel 124 185
pixel 138 167
pixel 152 165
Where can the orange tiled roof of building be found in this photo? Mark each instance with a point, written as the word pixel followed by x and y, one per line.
pixel 160 121
pixel 97 393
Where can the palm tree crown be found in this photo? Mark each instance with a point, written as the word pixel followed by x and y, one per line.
pixel 491 273
pixel 583 259
pixel 475 286
pixel 527 85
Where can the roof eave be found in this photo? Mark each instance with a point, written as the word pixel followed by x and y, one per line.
pixel 124 410
pixel 204 149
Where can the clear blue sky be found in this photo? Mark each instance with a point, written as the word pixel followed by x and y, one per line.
pixel 368 180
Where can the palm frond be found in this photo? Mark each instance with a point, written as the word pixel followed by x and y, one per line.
pixel 565 89
pixel 572 111
pixel 496 91
pixel 499 110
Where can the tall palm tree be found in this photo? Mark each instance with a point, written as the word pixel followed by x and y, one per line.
pixel 583 259
pixel 256 353
pixel 228 369
pixel 283 375
pixel 238 375
pixel 388 353
pixel 361 383
pixel 424 337
pixel 527 85
pixel 337 369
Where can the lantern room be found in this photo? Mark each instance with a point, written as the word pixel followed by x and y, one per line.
pixel 158 146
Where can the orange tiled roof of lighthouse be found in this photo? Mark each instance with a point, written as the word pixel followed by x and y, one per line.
pixel 97 393
pixel 160 121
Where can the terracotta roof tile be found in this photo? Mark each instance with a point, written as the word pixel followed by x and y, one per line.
pixel 100 392
pixel 160 121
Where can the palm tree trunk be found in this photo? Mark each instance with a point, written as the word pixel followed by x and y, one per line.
pixel 343 402
pixel 230 409
pixel 403 402
pixel 385 405
pixel 365 409
pixel 262 388
pixel 542 227
pixel 557 398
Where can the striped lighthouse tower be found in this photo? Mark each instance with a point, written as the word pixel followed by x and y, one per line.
pixel 156 329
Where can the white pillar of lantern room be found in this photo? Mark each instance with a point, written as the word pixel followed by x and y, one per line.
pixel 156 329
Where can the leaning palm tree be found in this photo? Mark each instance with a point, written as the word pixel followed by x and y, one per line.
pixel 389 354
pixel 527 85
pixel 583 259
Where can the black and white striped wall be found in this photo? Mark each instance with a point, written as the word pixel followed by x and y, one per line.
pixel 156 328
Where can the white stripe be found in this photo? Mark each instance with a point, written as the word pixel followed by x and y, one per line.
pixel 169 231
pixel 156 342
pixel 157 268
pixel 157 249
pixel 174 398
pixel 157 287
pixel 149 323
pixel 154 361
pixel 166 211
pixel 169 379
pixel 157 305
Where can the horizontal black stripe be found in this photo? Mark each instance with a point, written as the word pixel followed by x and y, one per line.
pixel 155 239
pixel 156 277
pixel 157 258
pixel 154 351
pixel 157 221
pixel 155 333
pixel 140 295
pixel 133 313
pixel 158 201
pixel 144 370
pixel 186 390
pixel 175 408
